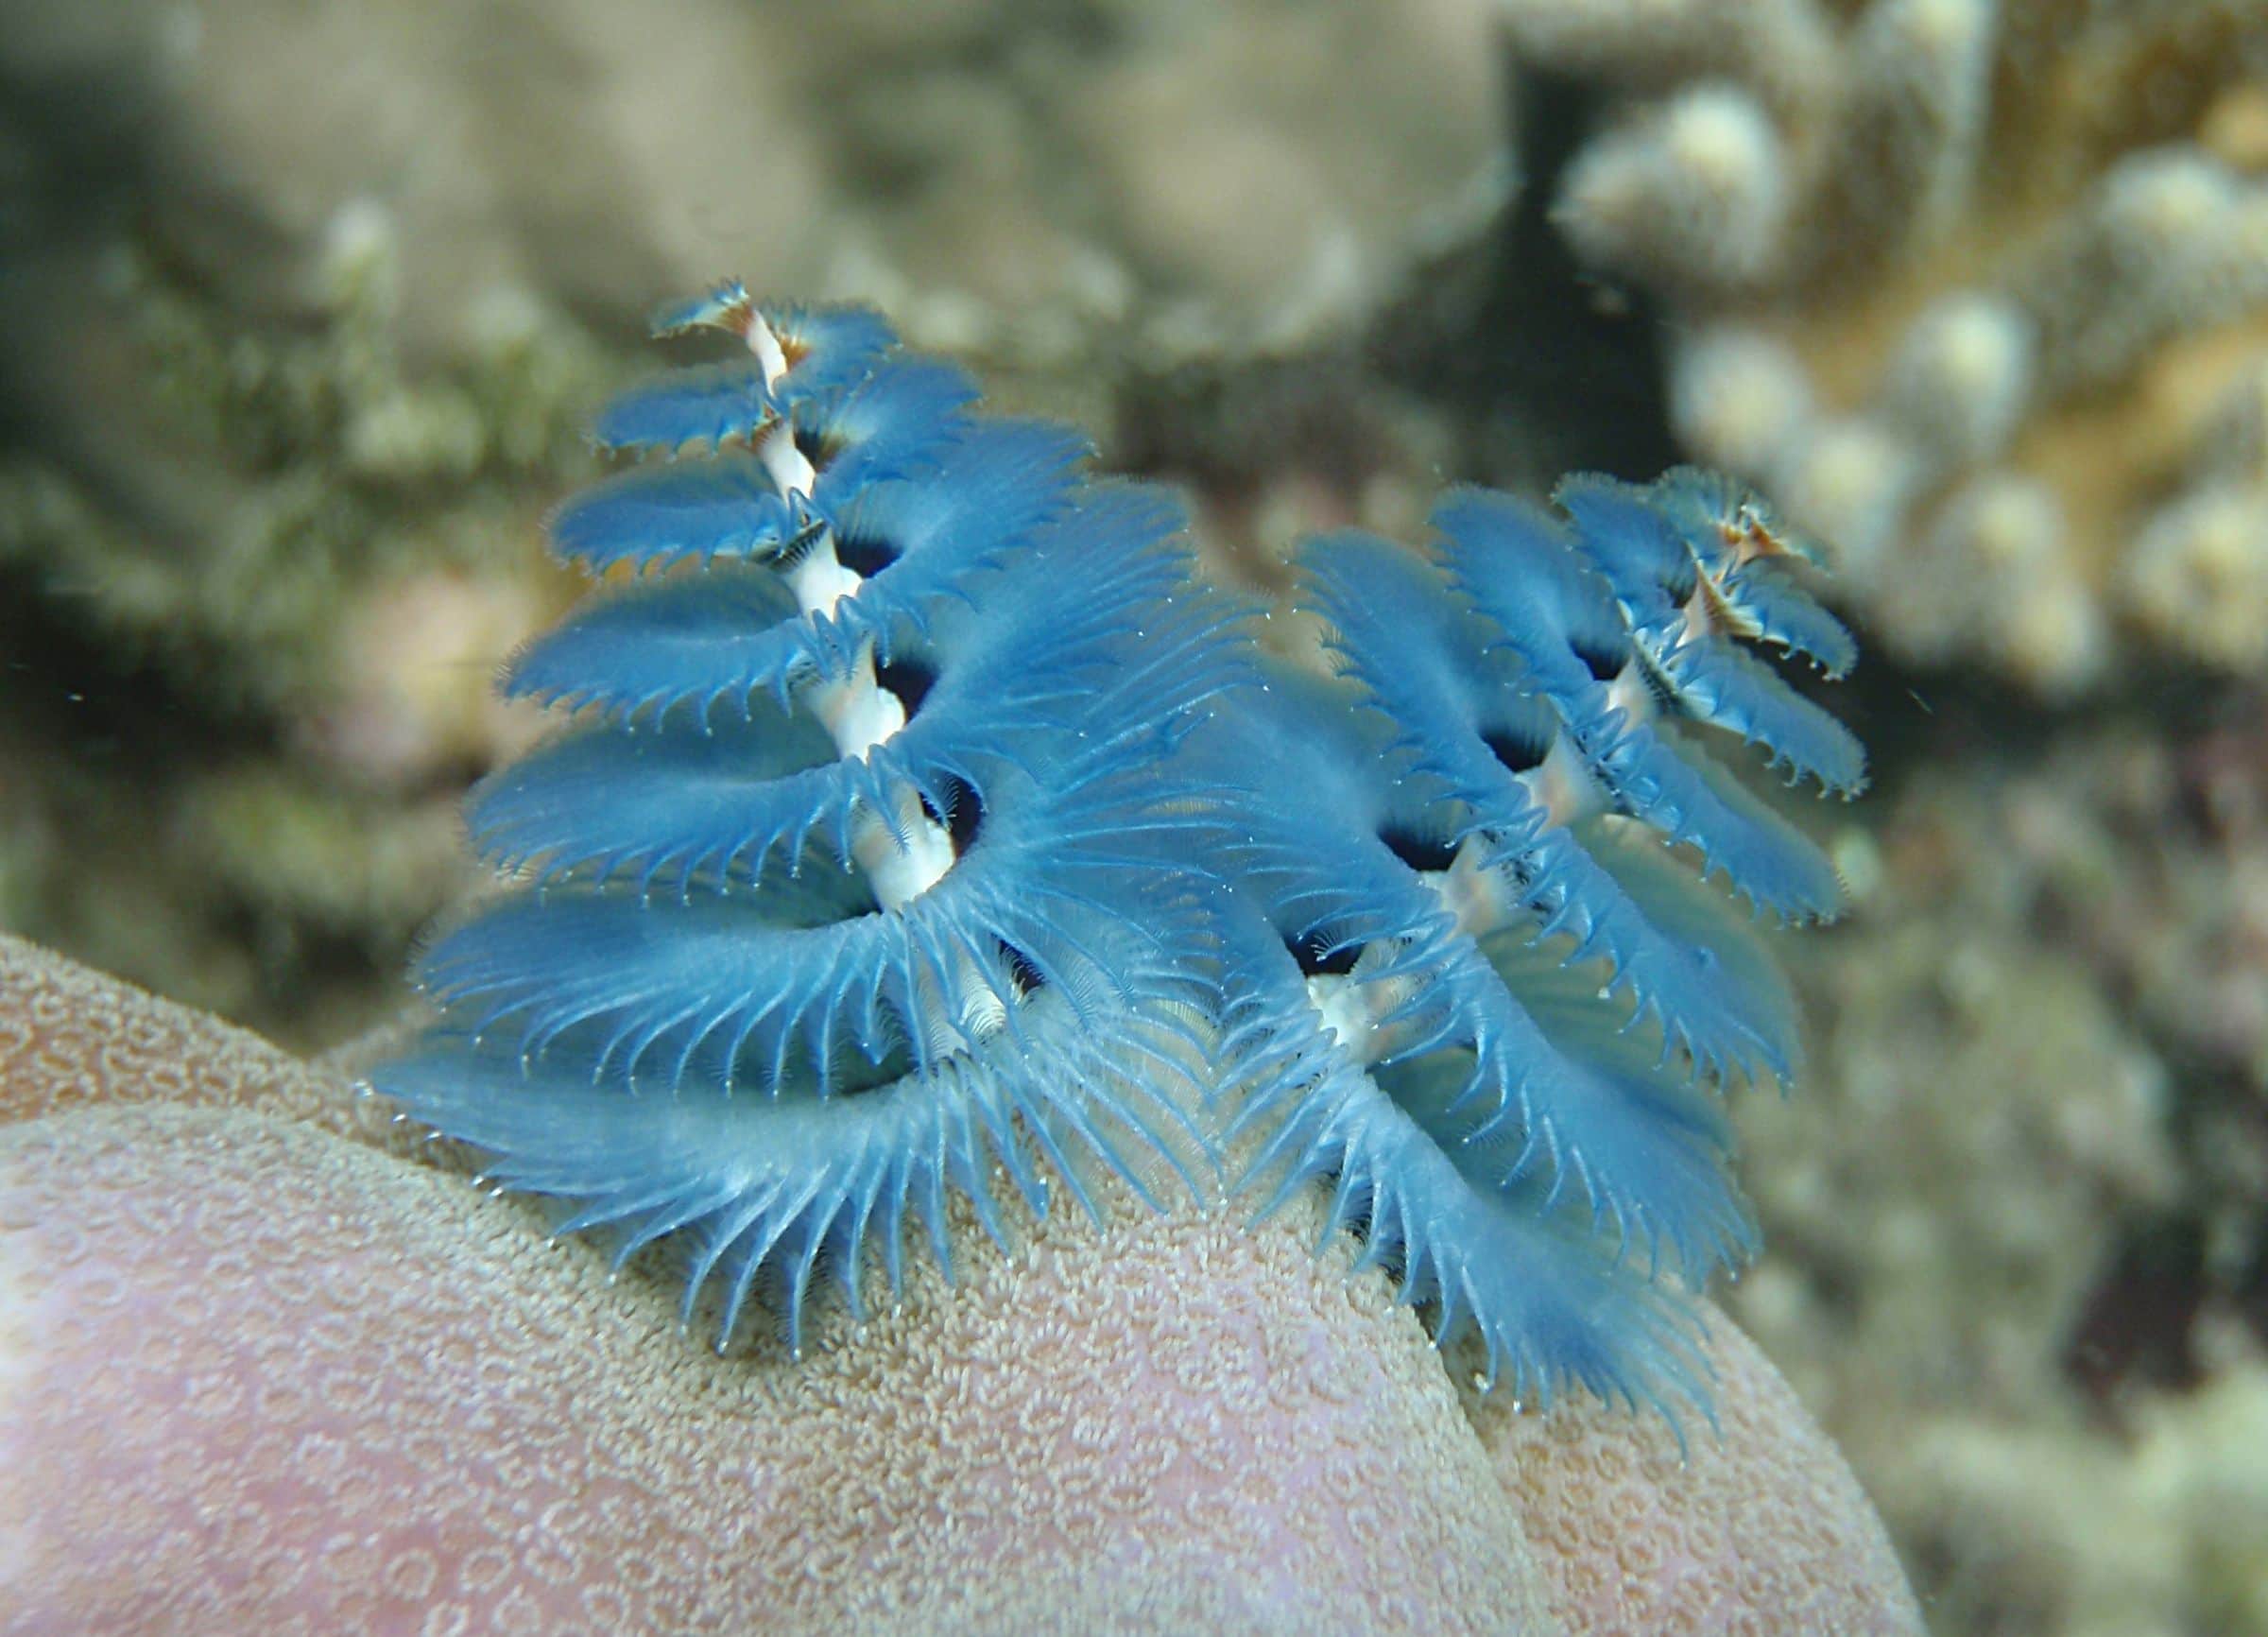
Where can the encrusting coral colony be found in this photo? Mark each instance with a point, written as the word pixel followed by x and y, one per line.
pixel 1977 290
pixel 924 824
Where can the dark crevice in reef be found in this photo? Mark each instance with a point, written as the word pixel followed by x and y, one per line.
pixel 1522 366
pixel 1911 718
pixel 2168 1275
pixel 64 683
pixel 2171 1270
pixel 119 744
pixel 1542 365
pixel 2140 1319
pixel 1229 431
pixel 1960 711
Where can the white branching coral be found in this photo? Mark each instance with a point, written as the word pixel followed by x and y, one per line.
pixel 1971 286
pixel 1693 193
pixel 2199 571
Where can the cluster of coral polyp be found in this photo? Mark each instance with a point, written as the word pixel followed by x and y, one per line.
pixel 924 827
pixel 1979 291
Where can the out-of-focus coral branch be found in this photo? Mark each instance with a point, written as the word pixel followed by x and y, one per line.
pixel 1969 285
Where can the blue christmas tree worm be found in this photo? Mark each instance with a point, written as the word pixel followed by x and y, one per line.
pixel 919 818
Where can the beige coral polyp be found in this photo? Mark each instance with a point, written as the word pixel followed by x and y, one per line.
pixel 278 1378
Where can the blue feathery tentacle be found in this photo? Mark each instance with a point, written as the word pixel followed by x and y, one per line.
pixel 1484 1248
pixel 827 350
pixel 1553 1081
pixel 1422 1018
pixel 1474 725
pixel 1534 579
pixel 710 1022
pixel 1657 578
pixel 920 821
pixel 1747 569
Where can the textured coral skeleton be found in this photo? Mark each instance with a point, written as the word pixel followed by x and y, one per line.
pixel 923 824
pixel 1977 290
pixel 242 1326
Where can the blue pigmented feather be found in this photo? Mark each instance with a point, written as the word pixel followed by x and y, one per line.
pixel 1680 633
pixel 919 824
pixel 1749 566
pixel 1536 581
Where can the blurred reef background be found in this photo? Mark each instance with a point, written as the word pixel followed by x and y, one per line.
pixel 303 304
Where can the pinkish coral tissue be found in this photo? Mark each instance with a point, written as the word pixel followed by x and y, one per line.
pixel 263 1369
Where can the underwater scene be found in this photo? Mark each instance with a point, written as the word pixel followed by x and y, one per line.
pixel 1015 817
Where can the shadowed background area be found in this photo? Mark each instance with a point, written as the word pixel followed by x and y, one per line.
pixel 305 306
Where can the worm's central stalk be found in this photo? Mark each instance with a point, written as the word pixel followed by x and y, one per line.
pixel 905 860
